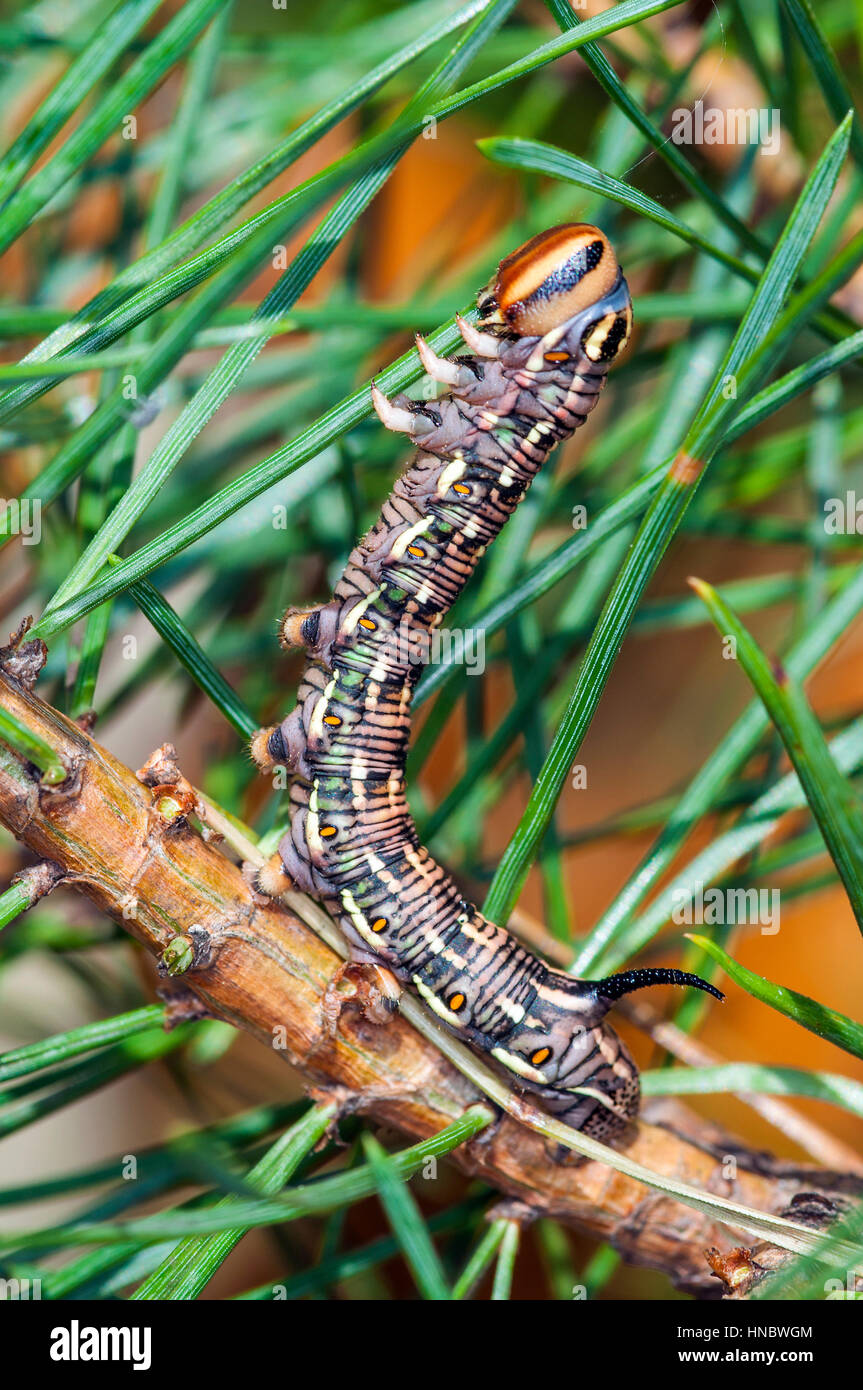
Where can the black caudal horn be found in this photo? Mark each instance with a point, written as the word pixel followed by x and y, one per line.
pixel 613 986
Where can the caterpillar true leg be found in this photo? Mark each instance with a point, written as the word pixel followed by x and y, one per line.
pixel 440 369
pixel 554 318
pixel 482 344
pixel 399 417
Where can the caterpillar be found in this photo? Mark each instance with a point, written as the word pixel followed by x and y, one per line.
pixel 549 325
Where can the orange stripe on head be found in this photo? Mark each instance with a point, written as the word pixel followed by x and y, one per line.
pixel 553 277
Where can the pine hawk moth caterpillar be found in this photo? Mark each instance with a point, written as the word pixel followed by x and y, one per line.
pixel 551 322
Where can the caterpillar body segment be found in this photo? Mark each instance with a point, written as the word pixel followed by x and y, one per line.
pixel 550 324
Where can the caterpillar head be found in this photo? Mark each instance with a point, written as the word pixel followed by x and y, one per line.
pixel 565 274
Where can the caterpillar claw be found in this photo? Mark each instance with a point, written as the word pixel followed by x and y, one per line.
pixel 483 344
pixel 398 417
pixel 440 369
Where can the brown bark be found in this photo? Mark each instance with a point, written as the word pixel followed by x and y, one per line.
pixel 130 849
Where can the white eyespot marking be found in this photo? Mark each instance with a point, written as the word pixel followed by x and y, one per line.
pixel 513 1062
pixel 450 475
pixel 313 822
pixel 351 618
pixel 401 543
pixel 436 1004
pixel 360 922
pixel 536 362
pixel 316 723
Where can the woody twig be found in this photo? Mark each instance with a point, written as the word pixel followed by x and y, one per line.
pixel 132 850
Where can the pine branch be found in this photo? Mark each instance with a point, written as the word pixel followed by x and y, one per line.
pixel 131 850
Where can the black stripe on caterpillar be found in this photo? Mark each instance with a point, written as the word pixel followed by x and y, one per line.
pixel 551 322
